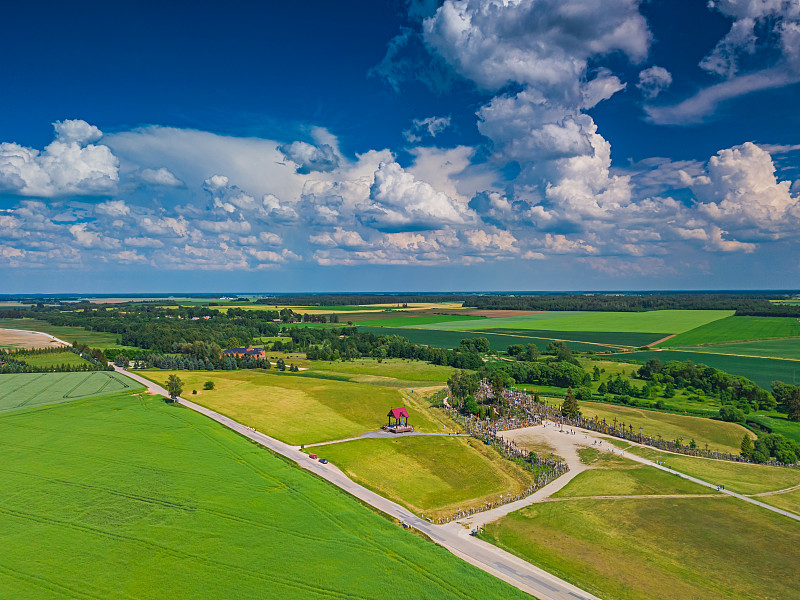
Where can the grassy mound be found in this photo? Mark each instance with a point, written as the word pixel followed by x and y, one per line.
pixel 434 476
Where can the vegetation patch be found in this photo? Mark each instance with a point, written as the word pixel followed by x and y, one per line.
pixel 762 371
pixel 614 338
pixel 140 499
pixel 95 339
pixel 736 328
pixel 299 410
pixel 413 320
pixel 51 358
pixel 26 390
pixel 431 475
pixel 661 548
pixel 656 321
pixel 397 368
pixel 719 435
pixel 744 478
pixel 784 348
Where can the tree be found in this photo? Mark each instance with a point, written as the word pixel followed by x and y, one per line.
pixel 281 364
pixel 570 406
pixel 462 384
pixel 174 386
pixel 596 373
pixel 747 446
pixel 208 385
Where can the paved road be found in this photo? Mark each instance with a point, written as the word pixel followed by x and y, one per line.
pixel 453 536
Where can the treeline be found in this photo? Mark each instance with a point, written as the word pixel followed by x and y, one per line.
pixel 12 361
pixel 356 299
pixel 744 304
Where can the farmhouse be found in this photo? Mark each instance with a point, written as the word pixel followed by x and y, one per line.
pixel 248 352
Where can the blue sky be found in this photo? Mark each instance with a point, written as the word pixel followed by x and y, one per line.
pixel 459 145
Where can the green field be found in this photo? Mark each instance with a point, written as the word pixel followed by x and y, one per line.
pixel 776 423
pixel 133 498
pixel 25 390
pixel 407 372
pixel 784 348
pixel 743 478
pixel 788 501
pixel 95 339
pixel 661 548
pixel 451 339
pixel 736 328
pixel 719 435
pixel 297 409
pixel 411 320
pixel 763 371
pixel 431 475
pixel 613 475
pixel 656 321
pixel 615 338
pixel 48 360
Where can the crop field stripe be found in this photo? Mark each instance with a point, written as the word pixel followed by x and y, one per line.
pixel 549 339
pixel 733 328
pixel 784 348
pixel 762 371
pixel 608 338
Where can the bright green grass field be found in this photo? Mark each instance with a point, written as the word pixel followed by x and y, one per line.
pixel 624 477
pixel 736 328
pixel 659 548
pixel 133 498
pixel 25 390
pixel 719 435
pixel 656 321
pixel 785 348
pixel 295 409
pixel 743 478
pixel 762 371
pixel 51 359
pixel 95 339
pixel 431 475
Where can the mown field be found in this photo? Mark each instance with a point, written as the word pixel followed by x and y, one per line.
pixel 719 435
pixel 431 475
pixel 26 390
pixel 135 498
pixel 736 328
pixel 298 409
pixel 656 321
pixel 51 359
pixel 613 475
pixel 659 548
pixel 95 339
pixel 763 371
pixel 787 501
pixel 451 339
pixel 743 478
pixel 407 372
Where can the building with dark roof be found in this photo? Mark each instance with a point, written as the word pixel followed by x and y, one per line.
pixel 248 352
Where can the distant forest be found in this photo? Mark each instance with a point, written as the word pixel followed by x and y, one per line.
pixel 744 305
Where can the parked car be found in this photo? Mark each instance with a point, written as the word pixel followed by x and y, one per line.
pixel 324 461
pixel 314 456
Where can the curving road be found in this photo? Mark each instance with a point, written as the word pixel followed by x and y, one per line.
pixel 453 536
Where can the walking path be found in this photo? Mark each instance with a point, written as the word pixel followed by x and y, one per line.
pixel 381 434
pixel 453 536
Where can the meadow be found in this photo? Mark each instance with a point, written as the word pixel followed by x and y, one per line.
pixel 618 338
pixel 612 475
pixel 430 475
pixel 26 390
pixel 719 435
pixel 299 409
pixel 734 329
pixel 744 478
pixel 787 501
pixel 658 548
pixel 95 339
pixel 47 360
pixel 762 371
pixel 656 321
pixel 136 498
pixel 406 372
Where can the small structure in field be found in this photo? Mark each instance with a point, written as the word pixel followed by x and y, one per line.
pixel 248 352
pixel 400 418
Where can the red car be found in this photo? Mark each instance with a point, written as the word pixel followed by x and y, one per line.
pixel 312 456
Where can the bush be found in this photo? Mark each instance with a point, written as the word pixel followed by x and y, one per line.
pixel 208 385
pixel 731 414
